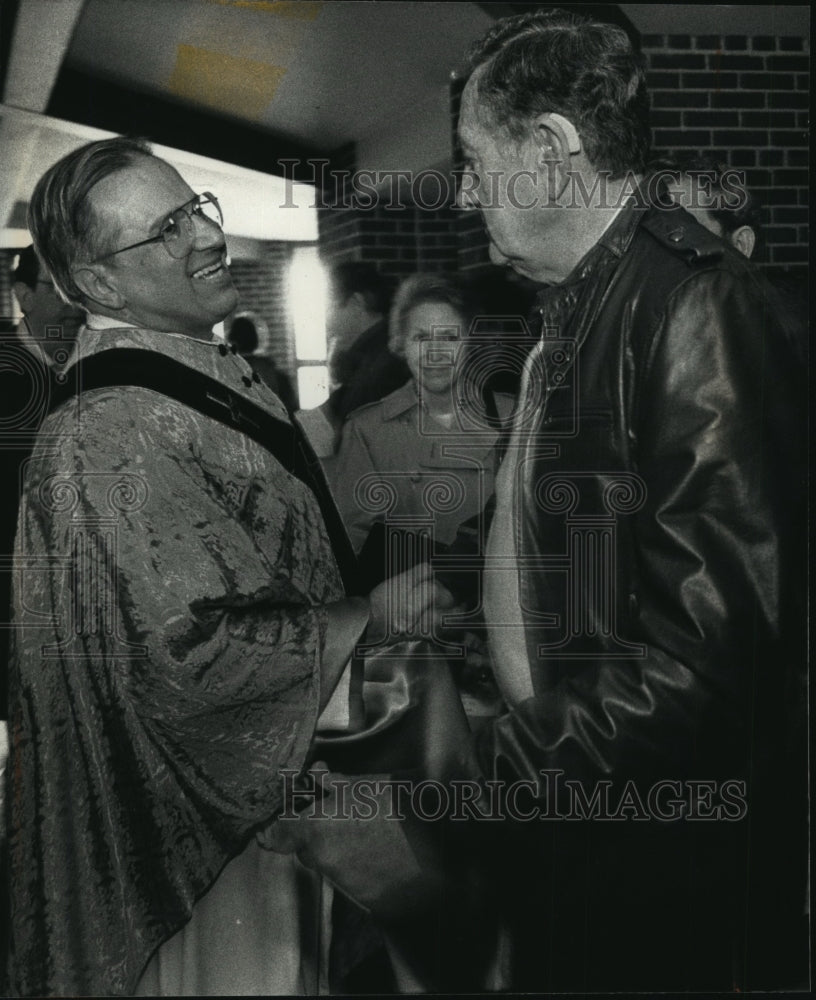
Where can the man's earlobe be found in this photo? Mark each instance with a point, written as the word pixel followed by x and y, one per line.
pixel 96 286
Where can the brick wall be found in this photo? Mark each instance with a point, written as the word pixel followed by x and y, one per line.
pixel 745 101
pixel 400 240
pixel 395 234
pixel 261 288
pixel 6 295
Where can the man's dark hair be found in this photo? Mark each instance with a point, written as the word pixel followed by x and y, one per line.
pixel 587 71
pixel 244 334
pixel 357 277
pixel 60 217
pixel 27 270
pixel 735 205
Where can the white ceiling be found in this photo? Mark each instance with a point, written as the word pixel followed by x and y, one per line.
pixel 318 74
pixel 347 68
pixel 719 19
pixel 334 72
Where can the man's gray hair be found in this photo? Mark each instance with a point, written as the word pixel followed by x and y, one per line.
pixel 60 216
pixel 556 61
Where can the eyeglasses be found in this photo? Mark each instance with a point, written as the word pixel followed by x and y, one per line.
pixel 178 230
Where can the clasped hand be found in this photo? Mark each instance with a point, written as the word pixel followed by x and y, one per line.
pixel 409 605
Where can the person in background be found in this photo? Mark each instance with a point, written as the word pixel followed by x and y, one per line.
pixel 50 324
pixel 30 357
pixel 249 335
pixel 411 434
pixel 716 196
pixel 430 445
pixel 362 368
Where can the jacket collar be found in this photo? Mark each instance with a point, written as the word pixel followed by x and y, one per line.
pixel 620 234
pixel 404 399
pixel 400 401
pixel 612 246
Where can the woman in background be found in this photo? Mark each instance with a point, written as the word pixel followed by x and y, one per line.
pixel 423 459
pixel 432 442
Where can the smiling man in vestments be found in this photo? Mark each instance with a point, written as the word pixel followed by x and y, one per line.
pixel 181 617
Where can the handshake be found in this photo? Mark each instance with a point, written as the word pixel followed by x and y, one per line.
pixel 410 605
pixel 405 602
pixel 413 581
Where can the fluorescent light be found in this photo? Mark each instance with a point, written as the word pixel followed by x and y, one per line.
pixel 313 385
pixel 307 304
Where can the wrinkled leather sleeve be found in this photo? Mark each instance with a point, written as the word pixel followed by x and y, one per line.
pixel 714 437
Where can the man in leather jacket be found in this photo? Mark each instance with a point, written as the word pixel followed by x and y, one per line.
pixel 648 636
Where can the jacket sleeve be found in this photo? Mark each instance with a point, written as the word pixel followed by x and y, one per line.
pixel 714 442
pixel 354 463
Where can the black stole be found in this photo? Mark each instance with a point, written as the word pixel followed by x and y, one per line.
pixel 123 366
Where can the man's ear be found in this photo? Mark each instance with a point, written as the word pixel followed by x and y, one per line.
pixel 563 128
pixel 557 140
pixel 24 296
pixel 744 239
pixel 96 285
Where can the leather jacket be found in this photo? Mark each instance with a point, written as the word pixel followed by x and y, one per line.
pixel 659 526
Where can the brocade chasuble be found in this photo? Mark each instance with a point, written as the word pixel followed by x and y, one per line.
pixel 165 666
